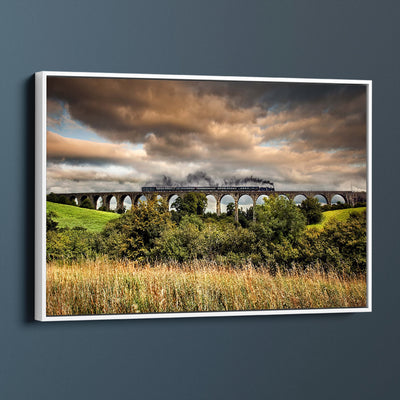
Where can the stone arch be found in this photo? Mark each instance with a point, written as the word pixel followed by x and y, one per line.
pixel 322 199
pixel 82 198
pixel 212 204
pixel 126 202
pixel 245 202
pixel 74 199
pixel 260 199
pixel 299 198
pixel 135 199
pixel 338 199
pixel 98 201
pixel 151 195
pixel 171 200
pixel 111 202
pixel 141 198
pixel 284 196
pixel 225 200
pixel 159 198
pixel 90 197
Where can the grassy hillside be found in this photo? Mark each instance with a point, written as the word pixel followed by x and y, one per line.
pixel 340 215
pixel 71 216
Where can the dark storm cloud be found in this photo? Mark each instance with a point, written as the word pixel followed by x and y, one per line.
pixel 315 97
pixel 215 114
pixel 317 132
pixel 128 109
pixel 292 133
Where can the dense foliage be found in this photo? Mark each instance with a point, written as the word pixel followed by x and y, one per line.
pixel 312 210
pixel 133 235
pixel 278 238
pixel 86 204
pixel 59 198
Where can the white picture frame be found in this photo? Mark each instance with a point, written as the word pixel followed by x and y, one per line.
pixel 40 196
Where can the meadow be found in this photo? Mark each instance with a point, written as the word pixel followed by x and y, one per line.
pixel 72 217
pixel 151 260
pixel 111 287
pixel 338 215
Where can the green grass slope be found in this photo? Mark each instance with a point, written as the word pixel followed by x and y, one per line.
pixel 340 215
pixel 71 216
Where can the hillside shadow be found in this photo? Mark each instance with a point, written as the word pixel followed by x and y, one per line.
pixel 29 206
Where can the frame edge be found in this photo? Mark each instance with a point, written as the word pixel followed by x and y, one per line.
pixel 40 196
pixel 40 189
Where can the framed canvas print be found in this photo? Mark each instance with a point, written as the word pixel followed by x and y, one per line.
pixel 176 196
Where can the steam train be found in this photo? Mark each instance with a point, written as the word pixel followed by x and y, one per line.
pixel 206 188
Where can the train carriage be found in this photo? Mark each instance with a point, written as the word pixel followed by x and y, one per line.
pixel 206 188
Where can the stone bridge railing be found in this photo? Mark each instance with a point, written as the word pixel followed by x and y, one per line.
pixel 349 197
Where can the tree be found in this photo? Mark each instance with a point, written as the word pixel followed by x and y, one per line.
pixel 312 210
pixel 120 210
pixel 51 224
pixel 345 243
pixel 183 242
pixel 279 220
pixel 243 220
pixel 86 204
pixel 249 213
pixel 133 234
pixel 191 203
pixel 230 209
pixel 59 198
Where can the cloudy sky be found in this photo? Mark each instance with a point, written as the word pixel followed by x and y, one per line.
pixel 120 134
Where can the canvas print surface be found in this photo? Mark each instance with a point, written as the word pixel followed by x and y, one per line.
pixel 190 196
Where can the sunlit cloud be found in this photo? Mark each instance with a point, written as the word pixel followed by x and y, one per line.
pixel 107 133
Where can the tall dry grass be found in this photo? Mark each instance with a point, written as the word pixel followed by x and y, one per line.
pixel 106 287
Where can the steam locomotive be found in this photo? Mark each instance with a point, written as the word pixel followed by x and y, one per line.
pixel 206 188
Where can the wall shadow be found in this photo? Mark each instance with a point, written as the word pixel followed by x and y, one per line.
pixel 29 206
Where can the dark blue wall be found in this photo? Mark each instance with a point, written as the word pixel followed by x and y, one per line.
pixel 278 357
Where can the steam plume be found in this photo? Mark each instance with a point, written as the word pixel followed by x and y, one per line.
pixel 201 178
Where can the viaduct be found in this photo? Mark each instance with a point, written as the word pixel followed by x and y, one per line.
pixel 349 197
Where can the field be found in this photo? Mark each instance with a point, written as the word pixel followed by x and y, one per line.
pixel 106 287
pixel 71 216
pixel 146 262
pixel 340 215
